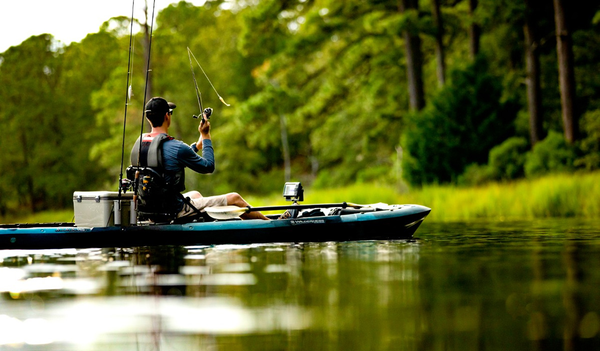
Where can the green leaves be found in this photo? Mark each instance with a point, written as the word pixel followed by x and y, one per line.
pixel 459 127
pixel 48 118
pixel 328 76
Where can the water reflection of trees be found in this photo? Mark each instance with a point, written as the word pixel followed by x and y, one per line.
pixel 500 290
pixel 581 324
pixel 485 291
pixel 577 324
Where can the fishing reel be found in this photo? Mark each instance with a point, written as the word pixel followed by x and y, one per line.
pixel 207 113
pixel 126 184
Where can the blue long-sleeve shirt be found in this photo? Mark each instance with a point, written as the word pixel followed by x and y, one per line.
pixel 177 155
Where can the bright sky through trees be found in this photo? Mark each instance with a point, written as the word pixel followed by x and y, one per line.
pixel 67 20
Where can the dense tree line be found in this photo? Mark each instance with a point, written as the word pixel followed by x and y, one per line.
pixel 324 91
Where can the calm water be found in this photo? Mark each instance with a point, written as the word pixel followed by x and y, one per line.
pixel 458 286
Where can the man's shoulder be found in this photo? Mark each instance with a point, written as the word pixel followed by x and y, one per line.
pixel 172 141
pixel 177 146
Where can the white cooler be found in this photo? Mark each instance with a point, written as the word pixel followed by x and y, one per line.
pixel 97 209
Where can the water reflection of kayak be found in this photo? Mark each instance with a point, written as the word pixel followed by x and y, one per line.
pixel 95 225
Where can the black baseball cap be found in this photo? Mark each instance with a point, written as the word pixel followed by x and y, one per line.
pixel 159 106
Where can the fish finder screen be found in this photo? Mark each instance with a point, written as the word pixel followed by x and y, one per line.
pixel 290 190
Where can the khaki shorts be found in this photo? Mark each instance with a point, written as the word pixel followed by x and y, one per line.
pixel 200 203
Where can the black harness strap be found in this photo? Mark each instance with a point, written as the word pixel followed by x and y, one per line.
pixel 151 152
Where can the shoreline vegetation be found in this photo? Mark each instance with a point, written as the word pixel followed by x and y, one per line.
pixel 575 195
pixel 309 86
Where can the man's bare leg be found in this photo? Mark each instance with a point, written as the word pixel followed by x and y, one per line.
pixel 237 200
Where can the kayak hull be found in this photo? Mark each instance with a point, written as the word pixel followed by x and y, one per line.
pixel 400 223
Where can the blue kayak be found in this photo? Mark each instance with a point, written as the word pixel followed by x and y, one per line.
pixel 323 223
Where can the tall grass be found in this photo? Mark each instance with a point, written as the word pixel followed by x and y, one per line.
pixel 53 216
pixel 561 195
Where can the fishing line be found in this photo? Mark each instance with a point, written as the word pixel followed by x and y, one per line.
pixel 127 97
pixel 211 84
pixel 198 93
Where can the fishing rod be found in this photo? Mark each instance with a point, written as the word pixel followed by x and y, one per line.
pixel 127 97
pixel 137 172
pixel 147 76
pixel 203 112
pixel 208 111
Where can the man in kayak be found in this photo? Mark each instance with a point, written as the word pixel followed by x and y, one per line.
pixel 172 156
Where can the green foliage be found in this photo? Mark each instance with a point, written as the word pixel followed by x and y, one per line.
pixel 251 146
pixel 49 119
pixel 475 174
pixel 32 126
pixel 459 127
pixel 330 74
pixel 267 17
pixel 46 216
pixel 507 160
pixel 343 114
pixel 550 155
pixel 590 144
pixel 555 195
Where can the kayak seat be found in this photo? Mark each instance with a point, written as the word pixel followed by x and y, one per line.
pixel 171 218
pixel 194 217
pixel 312 213
pixel 156 217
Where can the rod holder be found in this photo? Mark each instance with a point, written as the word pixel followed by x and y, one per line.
pixel 117 212
pixel 132 212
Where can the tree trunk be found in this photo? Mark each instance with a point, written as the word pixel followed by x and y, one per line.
pixel 287 164
pixel 474 30
pixel 28 174
pixel 566 72
pixel 439 44
pixel 414 60
pixel 534 92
